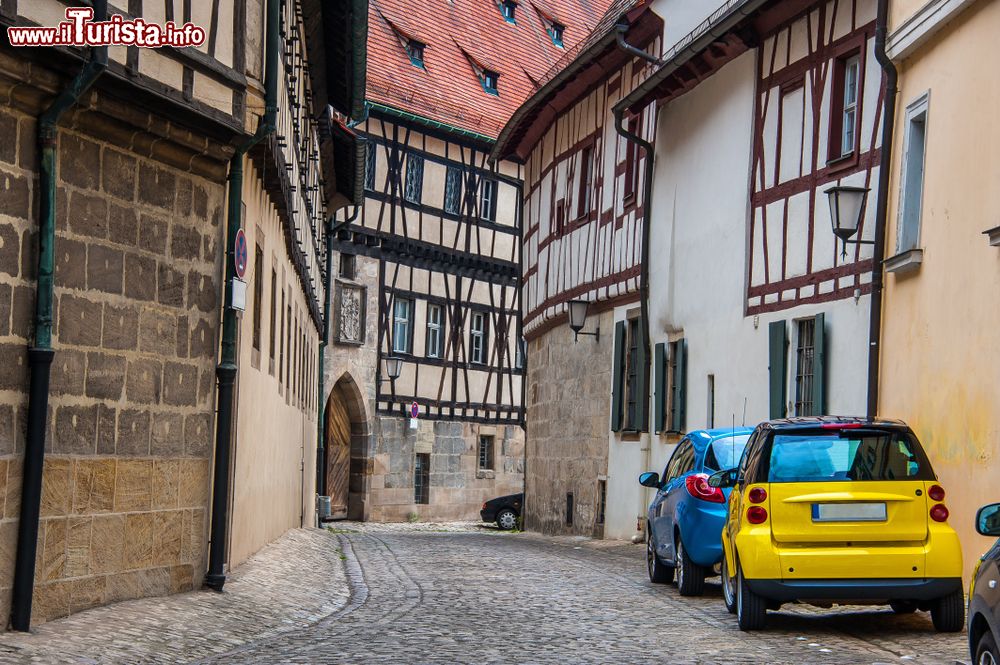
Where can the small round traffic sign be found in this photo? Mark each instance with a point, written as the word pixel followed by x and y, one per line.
pixel 414 410
pixel 240 253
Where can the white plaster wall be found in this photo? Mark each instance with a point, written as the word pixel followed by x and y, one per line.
pixel 680 17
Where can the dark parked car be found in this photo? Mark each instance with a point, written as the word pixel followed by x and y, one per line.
pixel 984 596
pixel 504 510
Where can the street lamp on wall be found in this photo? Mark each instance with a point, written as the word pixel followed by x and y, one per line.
pixel 578 318
pixel 846 206
pixel 392 367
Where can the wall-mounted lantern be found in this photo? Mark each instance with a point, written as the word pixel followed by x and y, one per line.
pixel 392 367
pixel 846 206
pixel 578 318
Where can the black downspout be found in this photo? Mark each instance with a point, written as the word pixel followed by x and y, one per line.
pixel 882 206
pixel 321 460
pixel 227 368
pixel 647 223
pixel 40 355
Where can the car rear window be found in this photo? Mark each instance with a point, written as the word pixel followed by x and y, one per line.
pixel 725 453
pixel 847 455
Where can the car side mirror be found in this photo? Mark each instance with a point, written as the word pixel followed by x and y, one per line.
pixel 988 520
pixel 650 479
pixel 723 479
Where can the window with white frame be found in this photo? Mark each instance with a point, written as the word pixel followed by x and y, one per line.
pixel 435 331
pixel 402 325
pixel 477 338
pixel 488 200
pixel 414 178
pixel 912 189
pixel 849 121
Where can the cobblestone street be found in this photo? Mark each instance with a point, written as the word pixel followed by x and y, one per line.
pixel 463 593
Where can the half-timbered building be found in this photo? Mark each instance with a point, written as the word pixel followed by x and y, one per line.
pixel 584 215
pixel 425 364
pixel 120 274
pixel 756 309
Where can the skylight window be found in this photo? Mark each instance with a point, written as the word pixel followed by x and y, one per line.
pixel 508 8
pixel 556 33
pixel 490 80
pixel 415 50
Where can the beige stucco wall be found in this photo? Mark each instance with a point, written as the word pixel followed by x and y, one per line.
pixel 940 360
pixel 274 479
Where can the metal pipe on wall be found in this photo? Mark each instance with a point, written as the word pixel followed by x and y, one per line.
pixel 40 354
pixel 227 369
pixel 881 205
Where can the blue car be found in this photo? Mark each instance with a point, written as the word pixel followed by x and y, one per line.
pixel 685 520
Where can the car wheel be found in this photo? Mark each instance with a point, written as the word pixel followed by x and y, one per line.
pixel 690 576
pixel 986 651
pixel 659 573
pixel 507 519
pixel 751 609
pixel 948 613
pixel 903 606
pixel 728 588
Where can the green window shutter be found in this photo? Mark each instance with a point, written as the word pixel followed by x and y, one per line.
pixel 778 368
pixel 819 365
pixel 678 396
pixel 617 378
pixel 642 381
pixel 659 383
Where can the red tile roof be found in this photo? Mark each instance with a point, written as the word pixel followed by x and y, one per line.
pixel 454 32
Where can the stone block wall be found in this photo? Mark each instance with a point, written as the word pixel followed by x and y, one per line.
pixel 568 405
pixel 131 412
pixel 458 487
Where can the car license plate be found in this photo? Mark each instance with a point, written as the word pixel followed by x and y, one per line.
pixel 848 512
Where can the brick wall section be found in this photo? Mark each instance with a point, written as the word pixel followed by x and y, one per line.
pixel 568 402
pixel 131 412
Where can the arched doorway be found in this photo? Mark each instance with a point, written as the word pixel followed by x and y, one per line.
pixel 346 443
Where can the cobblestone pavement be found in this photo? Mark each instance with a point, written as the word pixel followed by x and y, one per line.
pixel 467 593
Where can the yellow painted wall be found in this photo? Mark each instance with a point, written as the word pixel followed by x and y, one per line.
pixel 940 357
pixel 274 467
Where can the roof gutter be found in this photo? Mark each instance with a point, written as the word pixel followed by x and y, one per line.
pixel 427 122
pixel 881 205
pixel 40 354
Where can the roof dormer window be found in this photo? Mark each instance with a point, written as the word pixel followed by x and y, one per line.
pixel 509 10
pixel 415 50
pixel 556 33
pixel 490 80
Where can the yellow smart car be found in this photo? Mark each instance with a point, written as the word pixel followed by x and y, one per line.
pixel 838 510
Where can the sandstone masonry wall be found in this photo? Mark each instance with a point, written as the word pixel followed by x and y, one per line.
pixel 131 412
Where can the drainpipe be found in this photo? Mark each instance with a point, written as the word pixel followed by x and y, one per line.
pixel 647 148
pixel 882 205
pixel 226 370
pixel 321 461
pixel 40 355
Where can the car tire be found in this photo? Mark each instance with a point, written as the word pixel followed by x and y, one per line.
pixel 751 609
pixel 690 576
pixel 903 606
pixel 507 519
pixel 948 613
pixel 659 572
pixel 986 651
pixel 728 587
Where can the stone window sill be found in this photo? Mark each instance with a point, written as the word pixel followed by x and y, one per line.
pixel 487 474
pixel 905 262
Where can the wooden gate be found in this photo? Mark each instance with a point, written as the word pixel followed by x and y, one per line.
pixel 338 447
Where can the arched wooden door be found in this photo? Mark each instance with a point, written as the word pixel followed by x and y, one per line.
pixel 338 455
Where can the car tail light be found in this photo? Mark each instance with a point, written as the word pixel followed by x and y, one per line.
pixel 841 426
pixel 756 515
pixel 757 495
pixel 936 492
pixel 698 487
pixel 484 506
pixel 939 513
